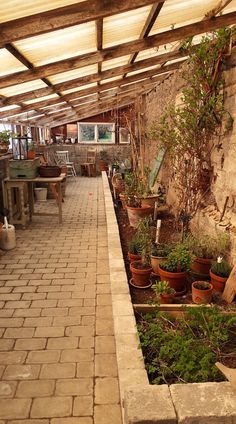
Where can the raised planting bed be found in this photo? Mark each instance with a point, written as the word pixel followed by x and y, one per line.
pixel 198 403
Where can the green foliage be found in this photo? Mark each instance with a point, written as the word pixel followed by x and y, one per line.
pixel 222 269
pixel 185 351
pixel 178 260
pixel 162 287
pixel 206 246
pixel 187 131
pixel 161 250
pixel 135 245
pixel 5 136
pixel 144 234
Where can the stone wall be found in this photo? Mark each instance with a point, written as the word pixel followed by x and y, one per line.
pixel 223 159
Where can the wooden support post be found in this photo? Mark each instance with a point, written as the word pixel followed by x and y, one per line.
pixel 230 287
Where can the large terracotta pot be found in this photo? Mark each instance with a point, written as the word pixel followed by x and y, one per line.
pixel 177 280
pixel 218 282
pixel 202 292
pixel 155 262
pixel 132 257
pixel 201 266
pixel 136 214
pixel 140 276
pixel 150 200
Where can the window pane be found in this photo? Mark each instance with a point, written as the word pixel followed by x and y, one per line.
pixel 86 132
pixel 106 133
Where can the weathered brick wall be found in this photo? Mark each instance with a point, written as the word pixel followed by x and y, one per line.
pixel 223 159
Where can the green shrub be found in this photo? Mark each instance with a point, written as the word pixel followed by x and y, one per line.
pixel 161 250
pixel 206 246
pixel 178 260
pixel 135 245
pixel 222 269
pixel 162 287
pixel 185 350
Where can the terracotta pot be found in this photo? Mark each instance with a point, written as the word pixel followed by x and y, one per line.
pixel 177 280
pixel 167 298
pixel 218 282
pixel 135 214
pixel 103 165
pixel 199 295
pixel 140 277
pixel 150 200
pixel 155 261
pixel 201 266
pixel 3 148
pixel 31 154
pixel 132 257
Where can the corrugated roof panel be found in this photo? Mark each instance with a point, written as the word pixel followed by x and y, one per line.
pixel 41 99
pixel 143 70
pixel 14 9
pixel 113 63
pixel 156 51
pixel 110 79
pixel 5 108
pixel 124 27
pixel 9 64
pixel 230 8
pixel 58 45
pixel 74 73
pixel 178 13
pixel 22 88
pixel 82 87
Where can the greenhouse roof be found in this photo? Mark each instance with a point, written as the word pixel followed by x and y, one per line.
pixel 65 60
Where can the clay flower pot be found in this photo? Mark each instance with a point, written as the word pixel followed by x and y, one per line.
pixel 177 280
pixel 136 214
pixel 201 266
pixel 103 165
pixel 140 275
pixel 31 154
pixel 150 200
pixel 155 262
pixel 218 282
pixel 132 257
pixel 202 292
pixel 167 298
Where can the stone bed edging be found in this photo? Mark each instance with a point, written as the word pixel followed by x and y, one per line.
pixel 142 403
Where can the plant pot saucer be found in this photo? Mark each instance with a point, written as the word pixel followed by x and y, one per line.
pixel 139 287
pixel 181 293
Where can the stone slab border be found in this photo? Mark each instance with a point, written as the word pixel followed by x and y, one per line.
pixel 197 403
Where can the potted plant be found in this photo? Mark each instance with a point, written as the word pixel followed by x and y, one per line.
pixel 202 292
pixel 164 292
pixel 118 183
pixel 5 140
pixel 176 268
pixel 103 160
pixel 141 269
pixel 159 254
pixel 205 249
pixel 31 151
pixel 133 194
pixel 135 248
pixel 219 273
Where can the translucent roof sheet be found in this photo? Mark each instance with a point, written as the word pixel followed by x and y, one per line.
pixel 9 64
pixel 110 79
pixel 113 63
pixel 230 8
pixel 124 27
pixel 82 87
pixel 74 73
pixel 5 108
pixel 14 9
pixel 40 99
pixel 143 70
pixel 58 45
pixel 22 88
pixel 156 51
pixel 176 13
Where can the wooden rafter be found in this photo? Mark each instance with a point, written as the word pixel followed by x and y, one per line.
pixel 47 91
pixel 64 17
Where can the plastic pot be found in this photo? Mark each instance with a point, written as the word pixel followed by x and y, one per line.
pixel 155 261
pixel 41 194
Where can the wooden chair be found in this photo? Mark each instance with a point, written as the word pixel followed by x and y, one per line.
pixel 88 168
pixel 63 159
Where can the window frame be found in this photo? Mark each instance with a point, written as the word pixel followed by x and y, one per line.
pixel 96 140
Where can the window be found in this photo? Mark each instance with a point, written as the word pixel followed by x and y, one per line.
pixel 124 136
pixel 96 132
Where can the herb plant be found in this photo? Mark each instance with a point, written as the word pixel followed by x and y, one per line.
pixel 178 260
pixel 135 245
pixel 206 246
pixel 185 350
pixel 222 269
pixel 162 287
pixel 161 250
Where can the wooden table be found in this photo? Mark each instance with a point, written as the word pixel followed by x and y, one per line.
pixel 20 183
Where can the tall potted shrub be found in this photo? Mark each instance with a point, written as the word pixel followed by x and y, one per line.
pixel 133 193
pixel 176 268
pixel 141 269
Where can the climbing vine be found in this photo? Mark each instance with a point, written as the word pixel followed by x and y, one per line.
pixel 189 131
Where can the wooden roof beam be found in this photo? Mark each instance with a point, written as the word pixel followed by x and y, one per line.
pixel 64 17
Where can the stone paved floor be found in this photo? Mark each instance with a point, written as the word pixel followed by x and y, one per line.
pixel 57 349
